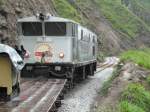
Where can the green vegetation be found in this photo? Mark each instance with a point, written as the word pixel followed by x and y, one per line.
pixel 125 106
pixel 121 18
pixel 145 3
pixel 107 108
pixel 141 9
pixel 66 10
pixel 100 57
pixel 135 97
pixel 107 84
pixel 1 2
pixel 141 57
pixel 148 79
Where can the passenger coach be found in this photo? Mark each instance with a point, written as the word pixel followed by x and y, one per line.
pixel 57 46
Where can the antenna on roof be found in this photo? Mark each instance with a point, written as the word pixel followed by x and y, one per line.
pixel 42 16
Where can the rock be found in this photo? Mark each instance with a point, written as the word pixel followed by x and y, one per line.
pixel 143 76
pixel 1 34
pixel 3 12
pixel 3 23
pixel 129 67
pixel 126 76
pixel 18 10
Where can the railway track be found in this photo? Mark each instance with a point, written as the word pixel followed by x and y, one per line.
pixel 109 62
pixel 41 94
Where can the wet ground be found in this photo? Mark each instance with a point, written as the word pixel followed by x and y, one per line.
pixel 82 96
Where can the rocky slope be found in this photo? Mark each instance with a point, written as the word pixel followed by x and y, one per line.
pixel 11 10
pixel 118 28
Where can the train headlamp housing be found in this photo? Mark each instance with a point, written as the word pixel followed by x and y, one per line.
pixel 61 55
pixel 27 55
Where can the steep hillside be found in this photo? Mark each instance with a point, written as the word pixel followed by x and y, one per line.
pixel 129 26
pixel 117 27
pixel 117 24
pixel 140 8
pixel 11 10
pixel 121 18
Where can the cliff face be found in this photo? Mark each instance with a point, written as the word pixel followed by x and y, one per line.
pixel 11 10
pixel 141 8
pixel 118 25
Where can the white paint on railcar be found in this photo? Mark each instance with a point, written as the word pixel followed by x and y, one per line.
pixel 77 45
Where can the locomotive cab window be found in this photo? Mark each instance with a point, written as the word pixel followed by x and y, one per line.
pixel 32 29
pixel 55 29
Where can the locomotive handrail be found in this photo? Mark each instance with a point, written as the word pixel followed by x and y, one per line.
pixel 14 56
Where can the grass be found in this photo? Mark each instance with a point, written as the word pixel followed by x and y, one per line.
pixel 107 84
pixel 125 106
pixel 148 79
pixel 141 9
pixel 141 57
pixel 107 108
pixel 145 3
pixel 66 10
pixel 100 57
pixel 1 2
pixel 135 96
pixel 121 18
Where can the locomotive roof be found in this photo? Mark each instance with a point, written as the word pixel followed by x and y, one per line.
pixel 51 18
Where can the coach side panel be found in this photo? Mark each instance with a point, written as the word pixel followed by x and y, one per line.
pixel 86 47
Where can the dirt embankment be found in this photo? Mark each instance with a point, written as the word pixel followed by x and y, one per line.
pixel 129 73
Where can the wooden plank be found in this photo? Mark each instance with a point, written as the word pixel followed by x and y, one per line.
pixel 36 96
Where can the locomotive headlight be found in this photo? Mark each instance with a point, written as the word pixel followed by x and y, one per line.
pixel 26 55
pixel 61 55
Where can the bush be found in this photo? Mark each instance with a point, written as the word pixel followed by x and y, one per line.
pixel 66 10
pixel 1 2
pixel 122 19
pixel 148 79
pixel 125 106
pixel 136 94
pixel 107 84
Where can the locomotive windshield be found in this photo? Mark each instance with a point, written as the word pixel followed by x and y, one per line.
pixel 51 29
pixel 55 29
pixel 32 28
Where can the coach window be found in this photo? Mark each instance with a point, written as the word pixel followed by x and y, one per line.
pixel 55 29
pixel 89 37
pixel 93 50
pixel 81 34
pixel 32 28
pixel 93 39
pixel 73 30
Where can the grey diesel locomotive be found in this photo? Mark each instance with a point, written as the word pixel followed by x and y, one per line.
pixel 57 46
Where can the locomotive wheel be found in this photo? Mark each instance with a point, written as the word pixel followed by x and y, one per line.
pixel 70 84
pixel 83 74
